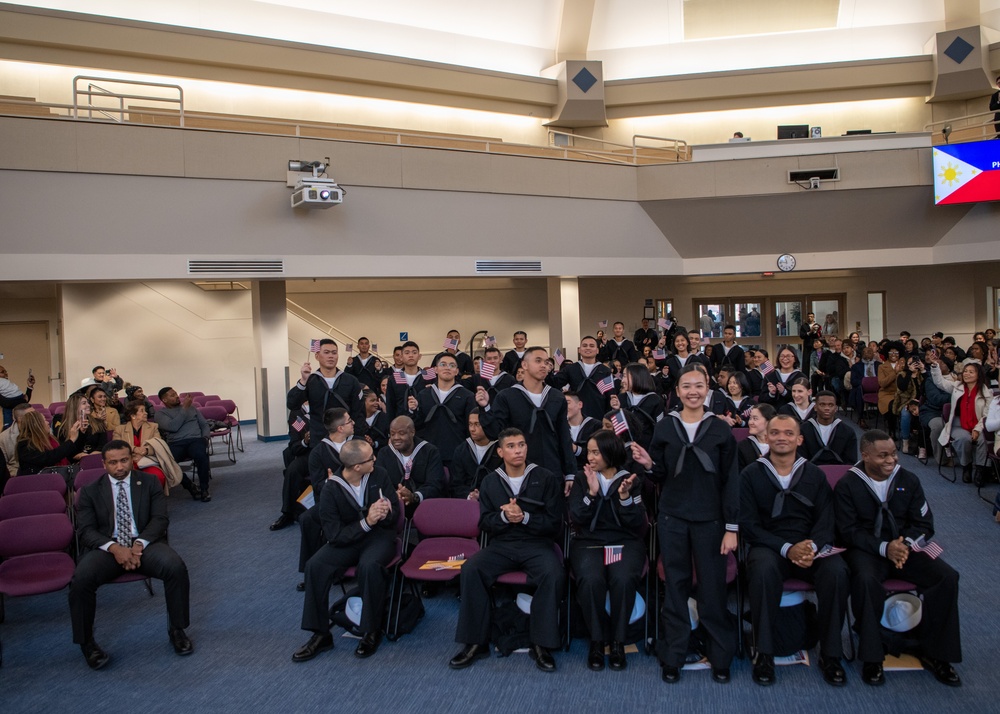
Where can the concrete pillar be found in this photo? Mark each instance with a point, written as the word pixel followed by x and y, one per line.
pixel 564 315
pixel 270 336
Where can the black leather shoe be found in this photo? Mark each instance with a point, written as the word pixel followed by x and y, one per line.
pixel 721 675
pixel 301 587
pixel 670 674
pixel 543 658
pixel 284 520
pixel 616 659
pixel 468 655
pixel 942 671
pixel 191 488
pixel 368 645
pixel 316 644
pixel 95 656
pixel 967 473
pixel 872 674
pixel 833 671
pixel 180 641
pixel 595 659
pixel 763 670
pixel 205 495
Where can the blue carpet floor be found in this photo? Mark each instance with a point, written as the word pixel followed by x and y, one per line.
pixel 245 626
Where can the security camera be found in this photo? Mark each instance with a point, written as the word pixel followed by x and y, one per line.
pixel 946 132
pixel 814 182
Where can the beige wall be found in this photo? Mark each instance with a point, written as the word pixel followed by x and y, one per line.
pixel 162 334
pixel 35 303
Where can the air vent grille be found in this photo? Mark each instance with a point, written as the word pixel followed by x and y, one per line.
pixel 508 266
pixel 236 267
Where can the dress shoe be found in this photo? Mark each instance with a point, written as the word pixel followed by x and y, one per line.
pixel 617 659
pixel 922 455
pixel 595 659
pixel 301 587
pixel 721 675
pixel 284 520
pixel 670 674
pixel 543 658
pixel 763 670
pixel 95 656
pixel 967 473
pixel 205 495
pixel 180 641
pixel 468 655
pixel 872 674
pixel 942 671
pixel 368 645
pixel 833 671
pixel 319 642
pixel 191 488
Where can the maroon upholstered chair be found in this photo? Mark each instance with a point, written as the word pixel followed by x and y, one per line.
pixel 31 503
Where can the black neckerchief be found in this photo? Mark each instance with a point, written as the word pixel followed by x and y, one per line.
pixel 779 497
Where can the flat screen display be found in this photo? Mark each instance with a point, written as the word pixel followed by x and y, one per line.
pixel 967 173
pixel 793 131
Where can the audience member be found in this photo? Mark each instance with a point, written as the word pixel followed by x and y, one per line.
pixel 150 453
pixel 107 379
pixel 888 371
pixel 964 429
pixel 102 417
pixel 645 336
pixel 801 407
pixel 365 367
pixel 825 438
pixel 441 411
pixel 512 359
pixel 405 383
pixel 471 461
pixel 581 426
pixel 585 378
pixel 186 432
pixel 8 439
pixel 755 445
pixel 619 347
pixel 37 449
pixel 135 393
pixel 327 388
pixel 776 385
pixel 11 395
pixel 413 465
pixel 122 527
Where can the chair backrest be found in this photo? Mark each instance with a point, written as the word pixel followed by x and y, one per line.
pixel 37 407
pixel 228 404
pixel 740 433
pixel 946 412
pixel 36 482
pixel 869 384
pixel 92 461
pixel 57 407
pixel 85 477
pixel 447 517
pixel 31 503
pixel 155 400
pixel 191 394
pixel 834 472
pixel 201 401
pixel 214 413
pixel 35 534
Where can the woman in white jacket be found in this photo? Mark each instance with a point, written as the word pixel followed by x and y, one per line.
pixel 993 424
pixel 970 398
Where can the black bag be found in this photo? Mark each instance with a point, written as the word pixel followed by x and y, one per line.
pixel 411 609
pixel 338 613
pixel 796 629
pixel 510 628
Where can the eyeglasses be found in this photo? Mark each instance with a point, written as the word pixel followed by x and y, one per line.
pixel 359 463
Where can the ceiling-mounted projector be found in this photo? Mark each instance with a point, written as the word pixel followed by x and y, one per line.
pixel 317 193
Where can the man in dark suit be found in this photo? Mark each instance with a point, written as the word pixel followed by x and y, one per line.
pixel 122 525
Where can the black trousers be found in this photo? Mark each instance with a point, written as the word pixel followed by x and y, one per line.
pixel 935 580
pixel 328 566
pixel 197 451
pixel 595 581
pixel 99 567
pixel 545 572
pixel 293 483
pixel 312 536
pixel 829 576
pixel 682 542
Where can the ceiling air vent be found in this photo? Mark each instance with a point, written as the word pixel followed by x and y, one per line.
pixel 236 267
pixel 508 266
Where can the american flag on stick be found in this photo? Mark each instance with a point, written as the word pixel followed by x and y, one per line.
pixel 430 374
pixel 606 384
pixel 659 354
pixel 619 422
pixel 487 370
pixel 399 378
pixel 489 341
pixel 612 554
pixel 299 424
pixel 603 324
pixel 766 368
pixel 451 344
pixel 460 556
pixel 314 346
pixel 664 323
pixel 349 347
pixel 559 358
pixel 931 549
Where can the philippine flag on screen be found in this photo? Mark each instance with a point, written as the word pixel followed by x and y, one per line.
pixel 966 173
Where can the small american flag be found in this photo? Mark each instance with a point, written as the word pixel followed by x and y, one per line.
pixel 374 347
pixel 931 549
pixel 451 344
pixel 559 357
pixel 407 470
pixel 399 378
pixel 299 424
pixel 487 370
pixel 619 423
pixel 745 414
pixel 606 384
pixel 603 324
pixel 314 346
pixel 664 323
pixel 349 347
pixel 827 550
pixel 460 556
pixel 430 374
pixel 612 554
pixel 490 341
pixel 659 354
pixel 766 368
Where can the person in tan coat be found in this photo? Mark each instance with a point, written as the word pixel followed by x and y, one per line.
pixel 888 370
pixel 150 452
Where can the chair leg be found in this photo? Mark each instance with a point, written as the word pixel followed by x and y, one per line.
pixel 148 582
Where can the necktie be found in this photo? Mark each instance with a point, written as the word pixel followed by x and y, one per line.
pixel 123 519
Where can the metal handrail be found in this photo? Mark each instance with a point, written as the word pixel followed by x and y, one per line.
pixel 319 323
pixel 982 129
pixel 679 148
pixel 89 93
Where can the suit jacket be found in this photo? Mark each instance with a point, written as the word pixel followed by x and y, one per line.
pixel 95 521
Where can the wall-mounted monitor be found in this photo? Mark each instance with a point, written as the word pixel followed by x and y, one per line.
pixel 967 173
pixel 793 131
